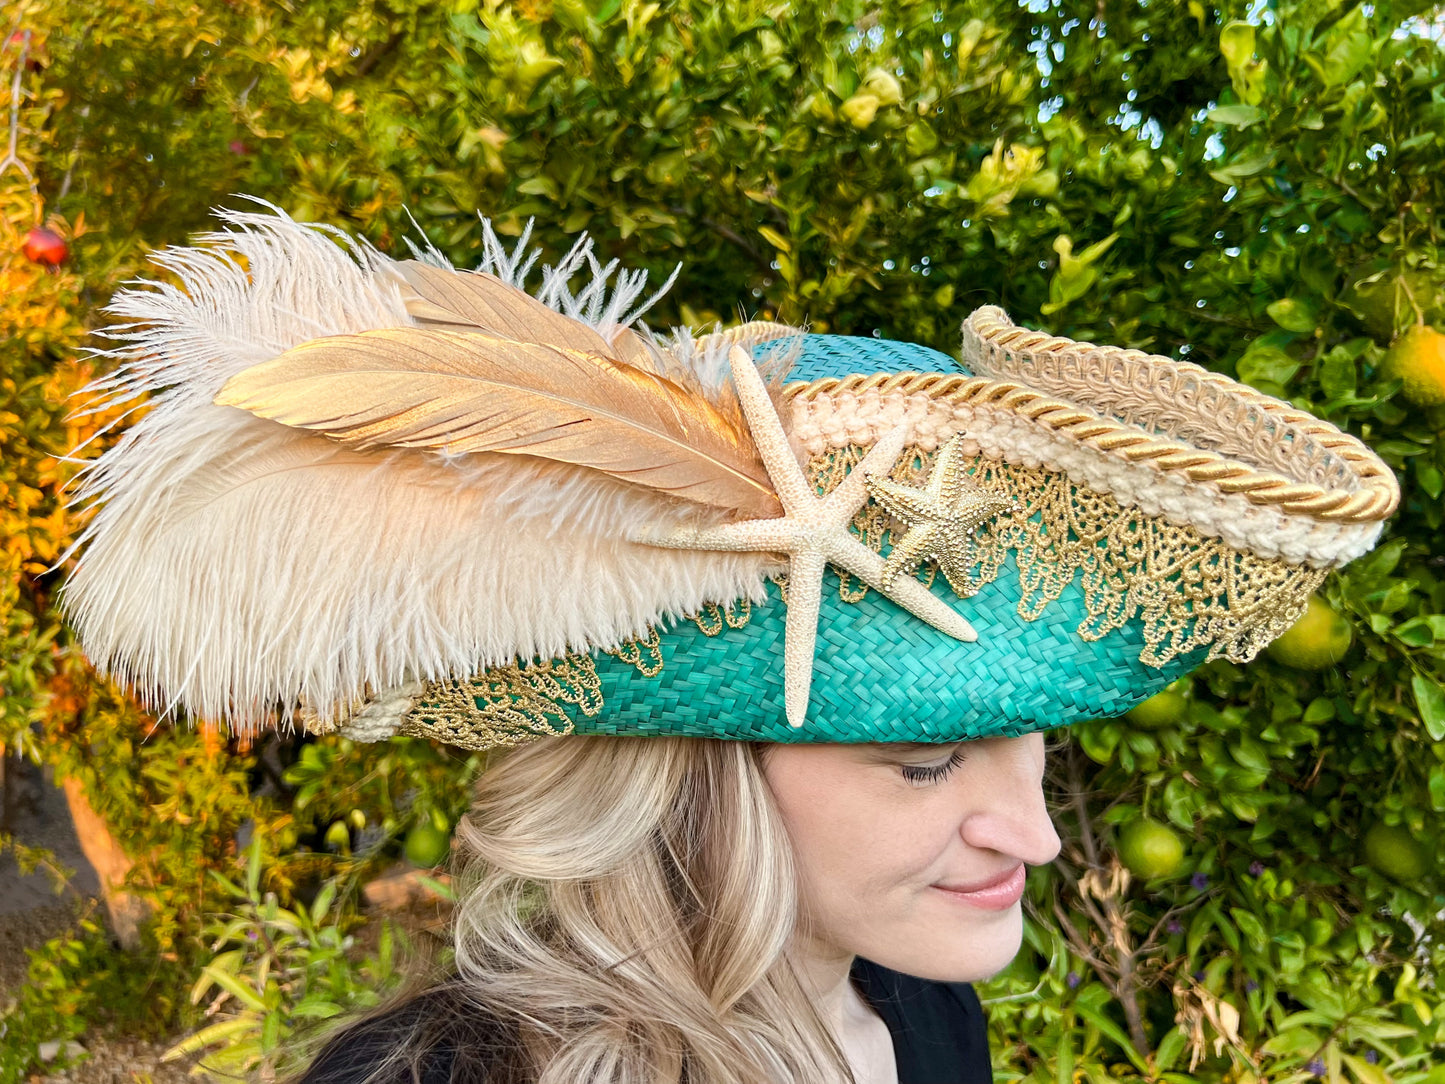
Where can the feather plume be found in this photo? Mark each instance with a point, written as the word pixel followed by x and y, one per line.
pixel 441 300
pixel 462 393
pixel 235 565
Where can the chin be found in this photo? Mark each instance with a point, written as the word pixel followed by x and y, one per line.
pixel 959 951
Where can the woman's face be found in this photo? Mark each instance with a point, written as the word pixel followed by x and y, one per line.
pixel 886 836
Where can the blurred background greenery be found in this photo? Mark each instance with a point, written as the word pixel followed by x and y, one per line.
pixel 1251 889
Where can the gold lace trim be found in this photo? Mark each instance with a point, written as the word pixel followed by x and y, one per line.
pixel 509 705
pixel 1189 591
pixel 506 705
pixel 712 618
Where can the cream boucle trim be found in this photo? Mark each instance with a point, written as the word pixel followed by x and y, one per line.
pixel 1166 437
pixel 824 422
pixel 1159 409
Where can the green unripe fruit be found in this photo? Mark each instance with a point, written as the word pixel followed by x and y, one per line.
pixel 1317 640
pixel 1160 710
pixel 1149 850
pixel 338 837
pixel 1392 850
pixel 427 845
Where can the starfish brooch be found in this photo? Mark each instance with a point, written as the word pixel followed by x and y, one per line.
pixel 813 532
pixel 941 518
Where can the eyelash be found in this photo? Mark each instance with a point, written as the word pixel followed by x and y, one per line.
pixel 936 774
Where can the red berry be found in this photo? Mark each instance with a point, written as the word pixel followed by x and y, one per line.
pixel 237 147
pixel 17 42
pixel 45 246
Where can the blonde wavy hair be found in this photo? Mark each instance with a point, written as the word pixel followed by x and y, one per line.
pixel 629 903
pixel 625 910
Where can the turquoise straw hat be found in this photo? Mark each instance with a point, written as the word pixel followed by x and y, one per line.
pixel 389 497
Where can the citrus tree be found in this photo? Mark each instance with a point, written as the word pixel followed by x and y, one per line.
pixel 1248 891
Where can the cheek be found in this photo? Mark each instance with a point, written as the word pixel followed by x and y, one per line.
pixel 862 846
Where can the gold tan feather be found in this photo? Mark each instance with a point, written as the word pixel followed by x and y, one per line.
pixel 442 300
pixel 465 392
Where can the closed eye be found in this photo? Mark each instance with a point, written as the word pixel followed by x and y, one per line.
pixel 925 774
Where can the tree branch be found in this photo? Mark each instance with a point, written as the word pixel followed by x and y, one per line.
pixel 1112 921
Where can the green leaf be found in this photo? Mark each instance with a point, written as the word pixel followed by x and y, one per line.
pixel 920 139
pixel 316 1007
pixel 1337 372
pixel 1241 168
pixel 271 1029
pixel 441 889
pixel 1417 632
pixel 1249 753
pixel 1349 48
pixel 539 185
pixel 253 868
pixel 236 988
pixel 1237 116
pixel 1169 1049
pixel 1251 927
pixel 1293 314
pixel 1099 739
pixel 222 1032
pixel 1090 1005
pixel 1207 921
pixel 1430 479
pixel 1430 699
pixel 322 903
pixel 1296 1041
pixel 1064 1057
pixel 1364 1072
pixel 774 238
pixel 1436 788
pixel 1236 43
pixel 1267 365
pixel 1076 274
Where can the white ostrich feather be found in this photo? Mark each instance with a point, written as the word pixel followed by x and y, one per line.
pixel 235 566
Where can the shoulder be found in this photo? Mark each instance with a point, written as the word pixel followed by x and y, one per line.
pixel 439 1036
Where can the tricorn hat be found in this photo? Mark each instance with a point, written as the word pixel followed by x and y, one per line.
pixel 389 496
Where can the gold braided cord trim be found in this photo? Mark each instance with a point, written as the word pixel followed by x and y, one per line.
pixel 1375 499
pixel 1176 415
pixel 1191 405
pixel 1179 399
pixel 1187 590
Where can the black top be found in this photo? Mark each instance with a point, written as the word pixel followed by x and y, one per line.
pixel 938 1034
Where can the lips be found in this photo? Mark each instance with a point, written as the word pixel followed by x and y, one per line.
pixel 999 894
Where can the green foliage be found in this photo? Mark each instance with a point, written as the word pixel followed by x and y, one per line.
pixel 75 982
pixel 277 970
pixel 1252 187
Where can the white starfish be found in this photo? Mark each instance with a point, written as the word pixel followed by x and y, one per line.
pixel 813 532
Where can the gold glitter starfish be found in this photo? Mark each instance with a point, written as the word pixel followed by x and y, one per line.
pixel 813 532
pixel 941 518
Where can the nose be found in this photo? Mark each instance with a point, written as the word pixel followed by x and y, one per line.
pixel 1007 812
